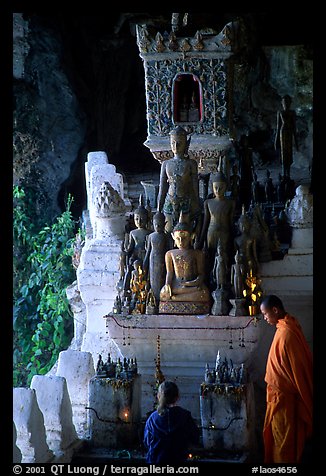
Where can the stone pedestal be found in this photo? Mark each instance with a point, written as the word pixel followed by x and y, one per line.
pixel 54 402
pixel 295 272
pixel 16 453
pixel 184 307
pixel 111 227
pixel 77 368
pixel 114 412
pixel 227 417
pixel 29 422
pixel 238 307
pixel 221 305
pixel 97 275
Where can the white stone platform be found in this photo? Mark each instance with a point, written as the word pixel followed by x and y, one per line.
pixel 187 343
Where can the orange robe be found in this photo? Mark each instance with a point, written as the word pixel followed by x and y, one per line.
pixel 288 419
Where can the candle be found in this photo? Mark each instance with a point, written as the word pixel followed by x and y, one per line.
pixel 217 363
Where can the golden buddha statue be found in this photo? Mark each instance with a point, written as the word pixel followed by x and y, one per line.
pixel 184 291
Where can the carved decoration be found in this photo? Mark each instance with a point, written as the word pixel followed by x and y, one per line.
pixel 212 74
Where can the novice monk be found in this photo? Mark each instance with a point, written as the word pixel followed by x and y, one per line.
pixel 288 419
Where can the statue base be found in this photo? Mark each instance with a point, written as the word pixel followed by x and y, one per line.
pixel 221 304
pixel 238 307
pixel 184 307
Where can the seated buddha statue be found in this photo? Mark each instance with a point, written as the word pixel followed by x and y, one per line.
pixel 184 291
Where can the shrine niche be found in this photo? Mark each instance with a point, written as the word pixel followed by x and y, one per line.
pixel 189 82
pixel 187 99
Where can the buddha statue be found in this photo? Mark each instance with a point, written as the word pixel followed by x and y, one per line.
pixel 245 244
pixel 135 249
pixel 184 291
pixel 218 220
pixel 137 237
pixel 179 185
pixel 158 243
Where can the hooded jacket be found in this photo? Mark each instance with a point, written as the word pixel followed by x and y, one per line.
pixel 168 436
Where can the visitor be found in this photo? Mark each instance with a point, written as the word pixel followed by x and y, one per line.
pixel 169 430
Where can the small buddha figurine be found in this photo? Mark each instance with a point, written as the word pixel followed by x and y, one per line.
pixel 218 219
pixel 136 246
pixel 235 182
pixel 220 270
pixel 280 189
pixel 237 276
pixel 245 244
pixel 137 238
pixel 286 134
pixel 184 269
pixel 269 187
pixel 193 115
pixel 184 109
pixel 255 189
pixel 138 287
pixel 100 367
pixel 158 243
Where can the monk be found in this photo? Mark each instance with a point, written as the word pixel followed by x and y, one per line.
pixel 288 419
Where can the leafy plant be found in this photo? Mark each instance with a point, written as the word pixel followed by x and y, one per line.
pixel 43 323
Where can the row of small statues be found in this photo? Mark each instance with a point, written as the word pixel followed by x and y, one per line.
pixel 151 271
pixel 125 370
pixel 225 373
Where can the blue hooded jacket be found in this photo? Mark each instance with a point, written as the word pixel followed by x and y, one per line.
pixel 167 437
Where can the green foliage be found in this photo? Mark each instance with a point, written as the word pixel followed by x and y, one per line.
pixel 43 322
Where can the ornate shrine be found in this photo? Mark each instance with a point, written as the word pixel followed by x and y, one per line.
pixel 189 83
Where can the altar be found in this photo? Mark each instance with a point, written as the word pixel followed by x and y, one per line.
pixel 182 345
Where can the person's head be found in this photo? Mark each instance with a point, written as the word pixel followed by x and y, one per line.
pixel 272 309
pixel 159 222
pixel 167 395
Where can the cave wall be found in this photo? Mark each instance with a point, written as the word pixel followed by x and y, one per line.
pixel 260 81
pixel 79 87
pixel 46 107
